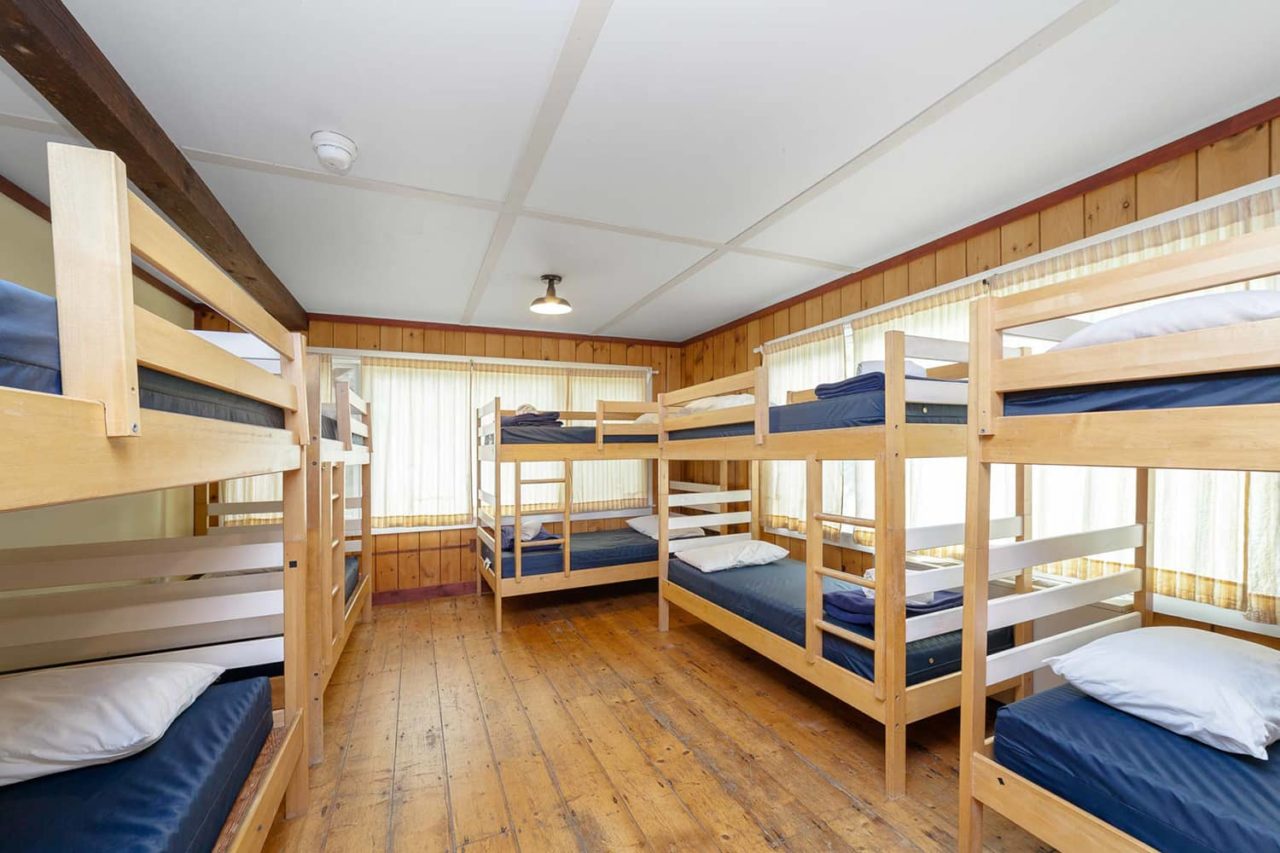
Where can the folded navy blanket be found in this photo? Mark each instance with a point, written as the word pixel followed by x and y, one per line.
pixel 533 419
pixel 509 539
pixel 852 385
pixel 853 607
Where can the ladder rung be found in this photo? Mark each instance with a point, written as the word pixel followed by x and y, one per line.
pixel 846 576
pixel 844 519
pixel 542 481
pixel 856 639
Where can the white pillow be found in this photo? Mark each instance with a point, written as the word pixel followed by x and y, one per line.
pixel 1209 687
pixel 648 525
pixel 732 555
pixel 912 369
pixel 529 529
pixel 1179 315
pixel 53 720
pixel 725 401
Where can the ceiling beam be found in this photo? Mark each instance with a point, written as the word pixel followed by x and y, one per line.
pixel 46 45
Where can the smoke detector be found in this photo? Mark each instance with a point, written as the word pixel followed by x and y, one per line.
pixel 335 151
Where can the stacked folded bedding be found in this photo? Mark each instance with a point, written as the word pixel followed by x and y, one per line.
pixel 854 606
pixel 532 419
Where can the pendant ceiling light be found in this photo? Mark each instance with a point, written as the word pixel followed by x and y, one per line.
pixel 550 303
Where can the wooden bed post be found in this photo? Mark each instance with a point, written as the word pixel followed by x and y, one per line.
pixel 664 557
pixel 200 510
pixel 977 554
pixel 566 533
pixel 517 545
pixel 497 514
pixel 366 514
pixel 316 544
pixel 1144 514
pixel 754 476
pixel 1023 632
pixel 295 630
pixel 891 567
pixel 93 270
pixel 813 559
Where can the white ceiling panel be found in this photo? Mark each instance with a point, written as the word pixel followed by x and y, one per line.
pixel 437 93
pixel 729 287
pixel 602 271
pixel 17 98
pixel 347 251
pixel 23 158
pixel 700 118
pixel 1142 74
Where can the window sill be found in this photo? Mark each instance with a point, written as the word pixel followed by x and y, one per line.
pixel 577 516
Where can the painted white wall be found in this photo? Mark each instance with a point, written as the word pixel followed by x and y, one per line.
pixel 26 258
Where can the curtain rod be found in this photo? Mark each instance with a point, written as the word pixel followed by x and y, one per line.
pixel 1255 188
pixel 480 359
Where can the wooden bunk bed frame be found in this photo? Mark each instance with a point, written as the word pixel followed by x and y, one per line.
pixel 331 536
pixel 888 699
pixel 95 441
pixel 1239 437
pixel 610 418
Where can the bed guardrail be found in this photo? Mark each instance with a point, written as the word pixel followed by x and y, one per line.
pixel 754 382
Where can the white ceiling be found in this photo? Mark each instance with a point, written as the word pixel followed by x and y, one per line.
pixel 680 162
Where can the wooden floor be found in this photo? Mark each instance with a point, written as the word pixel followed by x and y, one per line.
pixel 583 727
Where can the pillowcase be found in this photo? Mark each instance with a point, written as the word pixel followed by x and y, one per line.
pixel 912 369
pixel 725 401
pixel 648 525
pixel 1218 690
pixel 1179 315
pixel 509 537
pixel 732 555
pixel 53 720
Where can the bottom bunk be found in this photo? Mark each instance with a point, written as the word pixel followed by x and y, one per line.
pixel 203 786
pixel 1162 788
pixel 772 596
pixel 595 550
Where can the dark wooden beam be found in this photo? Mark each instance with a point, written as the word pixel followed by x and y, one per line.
pixel 46 45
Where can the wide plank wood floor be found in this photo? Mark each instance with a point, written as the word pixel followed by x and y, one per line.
pixel 583 727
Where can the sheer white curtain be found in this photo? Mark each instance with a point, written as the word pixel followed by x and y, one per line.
pixel 613 484
pixel 422 426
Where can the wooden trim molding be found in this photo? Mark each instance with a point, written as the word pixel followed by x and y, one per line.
pixel 491 330
pixel 1189 144
pixel 47 46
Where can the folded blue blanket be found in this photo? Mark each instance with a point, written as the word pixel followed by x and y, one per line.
pixel 853 607
pixel 509 539
pixel 533 419
pixel 852 385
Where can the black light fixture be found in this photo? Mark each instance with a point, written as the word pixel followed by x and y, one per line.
pixel 550 303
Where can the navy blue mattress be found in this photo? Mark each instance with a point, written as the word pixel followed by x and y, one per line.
pixel 174 796
pixel 1178 392
pixel 351 576
pixel 566 435
pixel 1167 790
pixel 865 408
pixel 29 360
pixel 586 551
pixel 772 596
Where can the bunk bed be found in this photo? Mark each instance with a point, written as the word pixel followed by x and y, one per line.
pixel 109 399
pixel 1066 767
pixel 339 526
pixel 897 670
pixel 618 430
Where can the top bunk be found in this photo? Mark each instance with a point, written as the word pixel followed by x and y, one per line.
pixel 615 430
pixel 730 418
pixel 1183 383
pixel 106 398
pixel 342 428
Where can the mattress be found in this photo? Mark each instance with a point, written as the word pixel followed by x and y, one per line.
pixel 773 596
pixel 174 796
pixel 586 551
pixel 351 576
pixel 566 435
pixel 1178 392
pixel 1165 789
pixel 865 408
pixel 29 360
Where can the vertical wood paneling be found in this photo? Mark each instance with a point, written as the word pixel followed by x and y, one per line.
pixel 982 252
pixel 850 298
pixel 320 333
pixel 922 273
pixel 1275 146
pixel 368 336
pixel 1234 162
pixel 951 263
pixel 872 291
pixel 1062 223
pixel 345 335
pixel 895 283
pixel 1020 238
pixel 1110 206
pixel 390 339
pixel 1166 186
pixel 412 340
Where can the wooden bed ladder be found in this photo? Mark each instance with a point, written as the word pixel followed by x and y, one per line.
pixel 517 513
